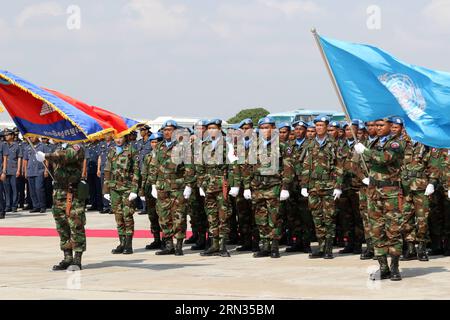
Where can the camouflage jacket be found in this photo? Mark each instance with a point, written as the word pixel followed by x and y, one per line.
pixel 263 174
pixel 322 169
pixel 68 166
pixel 297 151
pixel 447 171
pixel 122 170
pixel 439 165
pixel 359 168
pixel 242 170
pixel 416 170
pixel 145 174
pixel 350 161
pixel 170 175
pixel 384 162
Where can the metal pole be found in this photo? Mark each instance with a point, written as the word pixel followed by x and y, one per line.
pixel 34 149
pixel 336 89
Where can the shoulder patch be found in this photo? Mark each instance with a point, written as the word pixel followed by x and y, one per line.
pixel 434 149
pixel 289 150
pixel 395 145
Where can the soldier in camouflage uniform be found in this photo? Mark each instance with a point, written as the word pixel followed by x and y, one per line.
pixel 214 178
pixel 349 201
pixel 321 182
pixel 311 131
pixel 145 194
pixel 299 217
pixel 418 182
pixel 269 179
pixel 68 207
pixel 284 129
pixel 172 176
pixel 384 194
pixel 122 174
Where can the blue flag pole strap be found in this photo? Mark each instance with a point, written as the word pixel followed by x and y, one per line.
pixel 337 89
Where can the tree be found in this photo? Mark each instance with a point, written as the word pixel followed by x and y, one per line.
pixel 255 114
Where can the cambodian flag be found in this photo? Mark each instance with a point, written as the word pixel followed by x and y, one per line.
pixel 48 113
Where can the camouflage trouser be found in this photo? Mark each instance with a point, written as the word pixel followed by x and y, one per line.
pixel 150 207
pixel 439 217
pixel 385 220
pixel 123 211
pixel 196 210
pixel 246 218
pixel 350 215
pixel 299 219
pixel 364 211
pixel 70 229
pixel 266 203
pixel 171 209
pixel 218 211
pixel 322 208
pixel 416 208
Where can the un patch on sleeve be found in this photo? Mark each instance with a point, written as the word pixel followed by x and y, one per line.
pixel 289 150
pixel 395 145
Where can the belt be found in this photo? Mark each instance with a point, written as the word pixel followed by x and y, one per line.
pixel 381 184
pixel 322 176
pixel 415 174
pixel 267 179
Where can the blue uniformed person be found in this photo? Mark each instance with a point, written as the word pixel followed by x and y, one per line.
pixel 3 157
pixel 144 147
pixel 13 168
pixel 21 182
pixel 104 147
pixel 34 172
pixel 95 191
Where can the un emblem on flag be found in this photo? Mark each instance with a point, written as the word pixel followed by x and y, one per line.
pixel 408 95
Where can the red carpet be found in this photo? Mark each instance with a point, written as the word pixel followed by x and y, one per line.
pixel 50 232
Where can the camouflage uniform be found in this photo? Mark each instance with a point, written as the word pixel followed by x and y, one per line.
pixel 322 172
pixel 68 165
pixel 122 176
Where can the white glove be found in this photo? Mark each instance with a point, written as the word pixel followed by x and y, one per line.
pixel 202 192
pixel 429 190
pixel 154 192
pixel 132 196
pixel 304 192
pixel 247 194
pixel 107 196
pixel 40 156
pixel 284 195
pixel 142 198
pixel 231 156
pixel 337 193
pixel 234 191
pixel 448 195
pixel 187 192
pixel 366 181
pixel 359 148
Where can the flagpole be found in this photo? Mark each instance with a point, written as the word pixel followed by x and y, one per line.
pixel 34 149
pixel 336 89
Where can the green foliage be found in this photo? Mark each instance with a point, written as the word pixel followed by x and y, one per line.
pixel 255 114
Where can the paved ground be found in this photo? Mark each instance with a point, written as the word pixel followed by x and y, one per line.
pixel 26 261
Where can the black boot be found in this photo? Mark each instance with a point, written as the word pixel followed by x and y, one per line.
pixel 213 249
pixel 284 239
pixel 395 272
pixel 167 249
pixel 247 245
pixel 120 247
pixel 306 246
pixel 192 239
pixel 297 246
pixel 422 251
pixel 76 264
pixel 255 246
pixel 179 247
pixel 201 242
pixel 66 262
pixel 410 253
pixel 348 248
pixel 156 244
pixel 383 272
pixel 368 253
pixel 319 253
pixel 275 250
pixel 264 251
pixel 357 248
pixel 2 215
pixel 128 248
pixel 328 249
pixel 223 252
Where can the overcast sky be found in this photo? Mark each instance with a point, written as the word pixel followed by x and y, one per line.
pixel 205 58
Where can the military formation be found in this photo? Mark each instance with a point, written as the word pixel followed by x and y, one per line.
pixel 255 185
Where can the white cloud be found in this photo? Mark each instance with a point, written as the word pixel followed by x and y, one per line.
pixel 155 18
pixel 291 8
pixel 438 11
pixel 38 10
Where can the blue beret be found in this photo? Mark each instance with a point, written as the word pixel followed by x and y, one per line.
pixel 170 123
pixel 322 118
pixel 284 125
pixel 201 123
pixel 357 122
pixel 245 121
pixel 311 124
pixel 396 120
pixel 335 124
pixel 299 123
pixel 217 122
pixel 266 120
pixel 156 136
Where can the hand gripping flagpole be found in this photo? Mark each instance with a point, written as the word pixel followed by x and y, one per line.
pixel 338 92
pixel 34 149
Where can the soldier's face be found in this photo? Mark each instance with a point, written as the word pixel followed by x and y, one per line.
pixel 396 129
pixel 33 139
pixel 119 141
pixel 9 137
pixel 372 128
pixel 167 133
pixel 291 135
pixel 143 133
pixel 247 129
pixel 361 134
pixel 213 130
pixel 300 132
pixel 348 132
pixel 266 131
pixel 321 128
pixel 332 131
pixel 284 134
pixel 153 143
pixel 310 133
pixel 383 128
